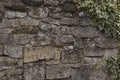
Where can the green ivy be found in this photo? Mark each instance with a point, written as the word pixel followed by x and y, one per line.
pixel 107 15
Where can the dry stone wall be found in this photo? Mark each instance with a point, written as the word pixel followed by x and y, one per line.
pixel 51 40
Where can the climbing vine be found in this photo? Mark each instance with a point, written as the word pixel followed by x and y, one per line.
pixel 106 14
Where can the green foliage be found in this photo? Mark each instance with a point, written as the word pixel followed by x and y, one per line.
pixel 113 67
pixel 107 15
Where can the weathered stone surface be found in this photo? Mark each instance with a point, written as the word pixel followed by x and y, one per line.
pixel 87 21
pixel 70 21
pixel 57 72
pixel 84 32
pixel 81 73
pixel 98 75
pixel 71 56
pixel 43 39
pixel 6 39
pixel 51 40
pixel 14 71
pixel 51 2
pixel 83 43
pixel 33 2
pixel 34 71
pixel 29 21
pixel 1 50
pixel 5 30
pixel 38 12
pixel 12 23
pixel 62 39
pixel 53 29
pixel 2 73
pixel 7 62
pixel 110 52
pixel 12 51
pixel 104 42
pixel 69 7
pixel 91 60
pixel 94 52
pixel 23 39
pixel 14 77
pixel 55 9
pixel 51 21
pixel 43 53
pixel 13 14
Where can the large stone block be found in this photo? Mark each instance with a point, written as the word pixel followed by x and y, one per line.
pixel 6 39
pixel 69 21
pixel 23 39
pixel 98 75
pixel 13 14
pixel 29 21
pixel 62 39
pixel 71 56
pixel 43 39
pixel 38 12
pixel 57 72
pixel 9 23
pixel 34 71
pixel 41 53
pixel 104 42
pixel 84 43
pixel 14 52
pixel 84 32
pixel 6 62
pixel 81 73
pixel 94 52
pixel 69 7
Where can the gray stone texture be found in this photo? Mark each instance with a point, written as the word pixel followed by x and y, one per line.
pixel 51 40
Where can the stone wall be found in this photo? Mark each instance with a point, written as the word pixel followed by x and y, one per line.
pixel 51 40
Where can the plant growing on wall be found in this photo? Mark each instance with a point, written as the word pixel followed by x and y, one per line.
pixel 107 15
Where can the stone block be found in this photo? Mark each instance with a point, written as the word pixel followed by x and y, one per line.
pixel 84 32
pixel 13 14
pixel 38 12
pixel 81 73
pixel 69 21
pixel 69 7
pixel 94 52
pixel 28 21
pixel 9 23
pixel 84 43
pixel 33 71
pixel 71 56
pixel 23 39
pixel 12 51
pixel 6 39
pixel 62 39
pixel 6 62
pixel 104 42
pixel 57 72
pixel 41 53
